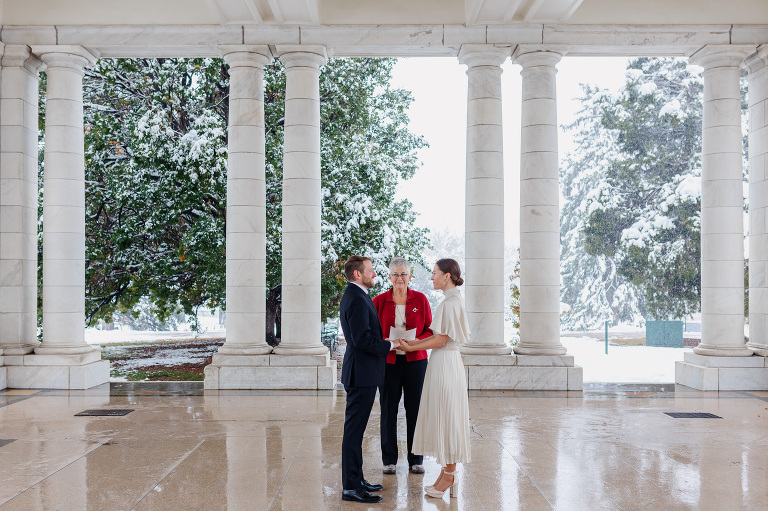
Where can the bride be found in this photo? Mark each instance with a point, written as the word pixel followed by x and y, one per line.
pixel 442 427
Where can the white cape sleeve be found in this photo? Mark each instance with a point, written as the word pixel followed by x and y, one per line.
pixel 450 319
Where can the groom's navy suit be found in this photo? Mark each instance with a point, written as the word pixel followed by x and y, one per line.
pixel 361 373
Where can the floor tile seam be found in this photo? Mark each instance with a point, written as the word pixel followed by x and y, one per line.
pixel 517 464
pixel 747 393
pixel 17 400
pixel 290 466
pixel 600 492
pixel 168 473
pixel 213 491
pixel 475 493
pixel 53 473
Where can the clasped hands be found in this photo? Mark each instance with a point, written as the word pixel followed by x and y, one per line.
pixel 401 344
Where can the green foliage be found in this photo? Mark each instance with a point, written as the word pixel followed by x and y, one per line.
pixel 641 219
pixel 156 152
pixel 514 288
pixel 602 232
pixel 643 216
pixel 155 184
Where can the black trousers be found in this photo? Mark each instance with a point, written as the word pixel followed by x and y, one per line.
pixel 359 405
pixel 400 379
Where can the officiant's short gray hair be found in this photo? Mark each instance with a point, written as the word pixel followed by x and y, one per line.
pixel 399 261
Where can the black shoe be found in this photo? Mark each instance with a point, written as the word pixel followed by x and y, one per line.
pixel 371 487
pixel 360 495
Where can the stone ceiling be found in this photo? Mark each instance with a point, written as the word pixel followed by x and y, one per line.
pixel 376 12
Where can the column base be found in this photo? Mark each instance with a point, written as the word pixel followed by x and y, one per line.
pixel 286 372
pixel 758 349
pixel 20 349
pixel 53 373
pixel 300 349
pixel 61 357
pixel 526 372
pixel 485 349
pixel 248 350
pixel 541 349
pixel 711 350
pixel 722 373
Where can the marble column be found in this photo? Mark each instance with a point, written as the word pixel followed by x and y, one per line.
pixel 301 322
pixel 758 201
pixel 539 205
pixel 18 202
pixel 484 207
pixel 246 204
pixel 64 204
pixel 722 203
pixel 723 361
pixel 63 359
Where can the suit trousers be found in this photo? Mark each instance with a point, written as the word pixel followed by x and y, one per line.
pixel 359 404
pixel 405 379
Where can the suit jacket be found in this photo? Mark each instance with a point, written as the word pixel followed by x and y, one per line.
pixel 366 350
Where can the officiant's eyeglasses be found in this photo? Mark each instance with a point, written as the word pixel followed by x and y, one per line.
pixel 399 275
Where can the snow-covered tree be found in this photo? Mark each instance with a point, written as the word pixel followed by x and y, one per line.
pixel 631 219
pixel 366 148
pixel 156 153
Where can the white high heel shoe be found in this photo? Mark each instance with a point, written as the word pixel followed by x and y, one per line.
pixel 454 488
pixel 442 469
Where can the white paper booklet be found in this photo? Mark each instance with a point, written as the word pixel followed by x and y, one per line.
pixel 402 333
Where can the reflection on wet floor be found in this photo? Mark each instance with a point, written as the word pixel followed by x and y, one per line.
pixel 610 446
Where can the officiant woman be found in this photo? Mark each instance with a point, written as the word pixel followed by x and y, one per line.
pixel 405 309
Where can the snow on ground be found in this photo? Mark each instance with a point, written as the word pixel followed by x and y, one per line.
pixel 101 337
pixel 622 364
pixel 193 355
pixel 210 330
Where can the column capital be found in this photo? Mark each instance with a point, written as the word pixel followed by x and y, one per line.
pixel 302 55
pixel 246 55
pixel 474 55
pixel 725 55
pixel 69 56
pixel 757 60
pixel 20 55
pixel 534 55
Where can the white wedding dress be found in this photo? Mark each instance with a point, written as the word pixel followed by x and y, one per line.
pixel 442 427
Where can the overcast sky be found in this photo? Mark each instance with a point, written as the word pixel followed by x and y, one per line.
pixel 439 113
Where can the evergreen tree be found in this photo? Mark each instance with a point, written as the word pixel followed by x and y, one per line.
pixel 633 198
pixel 156 152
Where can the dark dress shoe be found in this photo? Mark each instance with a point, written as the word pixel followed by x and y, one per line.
pixel 371 487
pixel 360 495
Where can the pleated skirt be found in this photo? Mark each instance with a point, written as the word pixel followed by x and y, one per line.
pixel 442 427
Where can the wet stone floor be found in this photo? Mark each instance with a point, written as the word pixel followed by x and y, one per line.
pixel 610 447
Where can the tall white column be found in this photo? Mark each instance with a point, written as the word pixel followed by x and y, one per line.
pixel 64 205
pixel 539 205
pixel 301 201
pixel 758 201
pixel 246 203
pixel 722 202
pixel 484 207
pixel 18 201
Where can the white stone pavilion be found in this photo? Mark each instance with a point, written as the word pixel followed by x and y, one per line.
pixel 63 38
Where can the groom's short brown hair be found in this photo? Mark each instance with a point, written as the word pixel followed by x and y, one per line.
pixel 353 264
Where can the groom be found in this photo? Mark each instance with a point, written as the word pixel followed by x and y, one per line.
pixel 361 373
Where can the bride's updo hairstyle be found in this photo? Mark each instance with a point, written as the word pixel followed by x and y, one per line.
pixel 452 267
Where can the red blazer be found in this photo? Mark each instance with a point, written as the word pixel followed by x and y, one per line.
pixel 418 315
